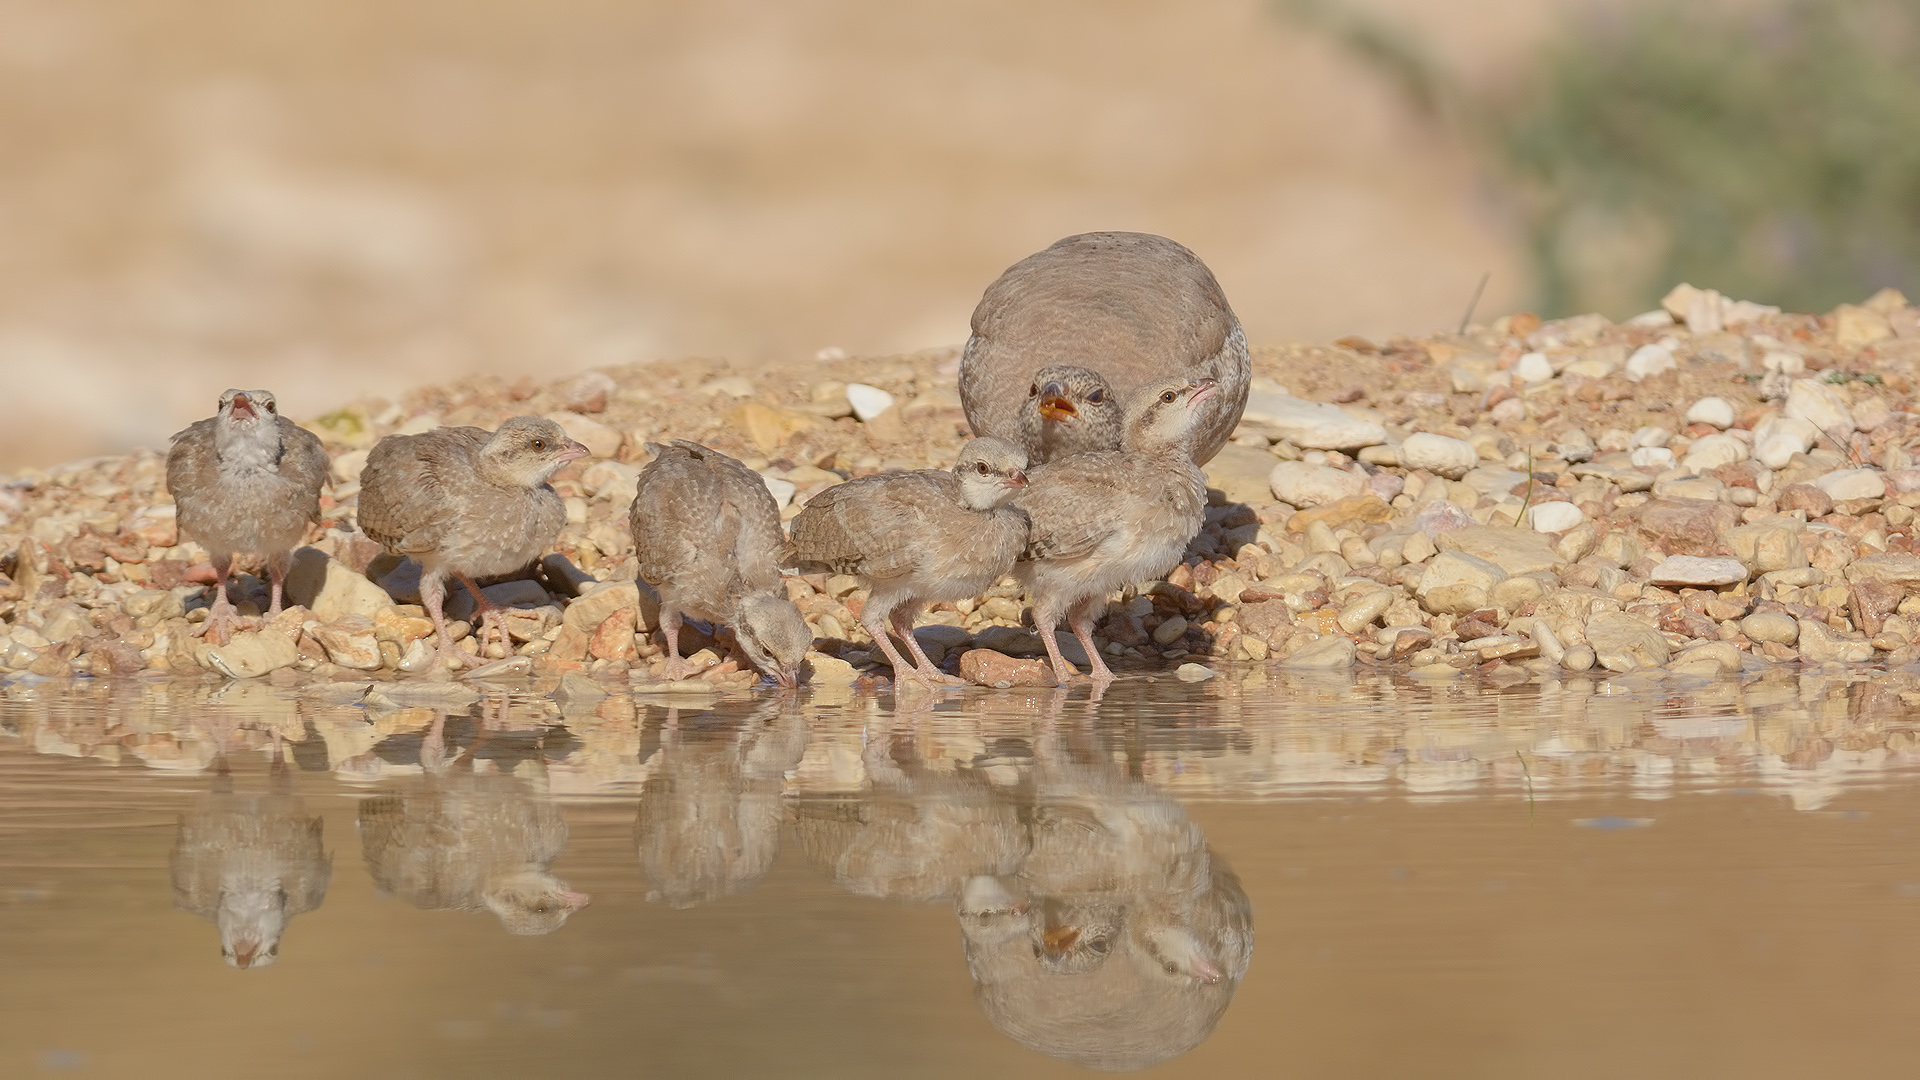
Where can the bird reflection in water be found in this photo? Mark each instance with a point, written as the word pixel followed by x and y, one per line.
pixel 1120 941
pixel 464 840
pixel 920 833
pixel 710 813
pixel 250 863
pixel 1097 924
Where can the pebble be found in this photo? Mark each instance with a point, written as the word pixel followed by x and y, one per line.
pixel 1712 411
pixel 1197 673
pixel 1533 367
pixel 1306 485
pixel 1555 517
pixel 1846 484
pixel 1650 360
pixel 1310 424
pixel 985 667
pixel 1689 571
pixel 868 402
pixel 1820 405
pixel 1438 454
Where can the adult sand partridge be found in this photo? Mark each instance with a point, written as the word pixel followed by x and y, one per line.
pixel 1131 306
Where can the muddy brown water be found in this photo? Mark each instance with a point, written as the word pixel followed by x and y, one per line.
pixel 1257 875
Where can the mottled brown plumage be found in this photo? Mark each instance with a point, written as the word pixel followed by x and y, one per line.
pixel 707 534
pixel 916 538
pixel 1131 306
pixel 466 842
pixel 250 863
pixel 246 481
pixel 1113 518
pixel 466 502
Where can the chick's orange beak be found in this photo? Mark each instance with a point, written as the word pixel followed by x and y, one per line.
pixel 1058 939
pixel 1057 408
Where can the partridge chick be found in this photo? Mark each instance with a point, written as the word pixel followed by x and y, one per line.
pixel 707 533
pixel 466 502
pixel 916 538
pixel 1069 410
pixel 1130 306
pixel 246 480
pixel 1116 517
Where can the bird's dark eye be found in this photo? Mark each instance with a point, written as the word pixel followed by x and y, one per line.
pixel 540 444
pixel 981 468
pixel 1098 946
pixel 1172 968
pixel 1034 390
pixel 1169 397
pixel 1095 397
pixel 271 407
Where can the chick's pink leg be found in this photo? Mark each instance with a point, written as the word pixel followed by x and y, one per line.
pixel 277 574
pixel 489 618
pixel 432 592
pixel 675 668
pixel 924 669
pixel 1043 624
pixel 221 616
pixel 874 618
pixel 1081 619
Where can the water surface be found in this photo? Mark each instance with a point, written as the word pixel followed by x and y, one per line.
pixel 1305 877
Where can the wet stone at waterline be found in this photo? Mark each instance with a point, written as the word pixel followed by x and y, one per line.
pixel 1207 877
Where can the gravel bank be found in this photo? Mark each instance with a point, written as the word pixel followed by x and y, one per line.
pixel 1708 488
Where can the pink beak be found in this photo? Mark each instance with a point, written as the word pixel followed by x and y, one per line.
pixel 1016 478
pixel 243 406
pixel 1203 389
pixel 575 900
pixel 573 452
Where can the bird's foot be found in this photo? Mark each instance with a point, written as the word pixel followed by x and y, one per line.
pixel 677 668
pixel 458 659
pixel 933 676
pixel 222 621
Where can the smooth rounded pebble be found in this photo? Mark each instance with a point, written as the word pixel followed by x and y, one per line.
pixel 1650 360
pixel 1555 517
pixel 1578 658
pixel 868 401
pixel 1534 367
pixel 1713 411
pixel 1438 454
pixel 1306 485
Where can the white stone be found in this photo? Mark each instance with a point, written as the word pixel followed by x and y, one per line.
pixel 781 490
pixel 1310 424
pixel 1844 484
pixel 1554 517
pixel 1534 367
pixel 1438 454
pixel 1306 485
pixel 1689 570
pixel 1820 405
pixel 1650 360
pixel 1651 435
pixel 1717 411
pixel 1777 440
pixel 1652 457
pixel 1712 451
pixel 600 440
pixel 868 401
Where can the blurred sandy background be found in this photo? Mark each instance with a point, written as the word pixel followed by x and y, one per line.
pixel 341 198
